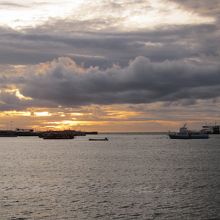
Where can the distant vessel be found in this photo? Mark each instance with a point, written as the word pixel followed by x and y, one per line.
pixel 211 129
pixel 64 134
pixel 57 135
pixel 91 132
pixel 18 132
pixel 26 132
pixel 98 139
pixel 184 133
pixel 7 133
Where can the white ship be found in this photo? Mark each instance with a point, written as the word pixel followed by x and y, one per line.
pixel 184 133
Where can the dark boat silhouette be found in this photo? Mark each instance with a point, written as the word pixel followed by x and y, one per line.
pixel 98 139
pixel 7 133
pixel 57 135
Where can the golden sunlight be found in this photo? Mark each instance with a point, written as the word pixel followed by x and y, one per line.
pixel 71 124
pixel 16 92
pixel 20 96
pixel 14 113
pixel 42 114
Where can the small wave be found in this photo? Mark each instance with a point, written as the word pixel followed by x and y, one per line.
pixel 135 214
pixel 18 218
pixel 74 201
pixel 127 206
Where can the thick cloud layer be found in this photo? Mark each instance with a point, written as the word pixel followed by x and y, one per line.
pixel 104 49
pixel 63 82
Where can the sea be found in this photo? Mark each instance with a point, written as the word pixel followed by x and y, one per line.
pixel 131 176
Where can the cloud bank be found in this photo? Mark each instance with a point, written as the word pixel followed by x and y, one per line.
pixel 63 82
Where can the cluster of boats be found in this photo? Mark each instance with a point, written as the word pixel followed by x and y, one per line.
pixel 184 133
pixel 65 134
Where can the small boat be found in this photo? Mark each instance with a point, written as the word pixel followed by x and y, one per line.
pixel 184 133
pixel 98 139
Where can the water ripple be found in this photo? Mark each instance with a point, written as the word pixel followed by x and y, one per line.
pixel 129 177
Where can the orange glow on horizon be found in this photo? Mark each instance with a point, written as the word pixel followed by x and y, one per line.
pixel 115 118
pixel 42 114
pixel 15 113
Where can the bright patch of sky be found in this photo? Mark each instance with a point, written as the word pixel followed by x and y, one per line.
pixel 121 15
pixel 22 13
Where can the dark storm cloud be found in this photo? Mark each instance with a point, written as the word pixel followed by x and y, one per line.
pixel 142 81
pixel 65 83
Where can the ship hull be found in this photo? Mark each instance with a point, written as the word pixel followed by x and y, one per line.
pixel 192 136
pixel 98 139
pixel 57 138
pixel 7 133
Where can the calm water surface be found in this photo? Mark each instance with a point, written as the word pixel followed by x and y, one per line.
pixel 129 177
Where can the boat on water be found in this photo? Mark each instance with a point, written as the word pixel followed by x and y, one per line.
pixel 7 133
pixel 26 132
pixel 211 129
pixel 184 133
pixel 98 139
pixel 57 135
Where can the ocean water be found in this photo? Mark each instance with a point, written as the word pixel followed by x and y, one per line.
pixel 128 177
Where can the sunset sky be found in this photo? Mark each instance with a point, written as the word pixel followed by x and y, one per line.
pixel 109 65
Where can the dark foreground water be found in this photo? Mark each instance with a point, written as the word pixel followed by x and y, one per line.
pixel 129 177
